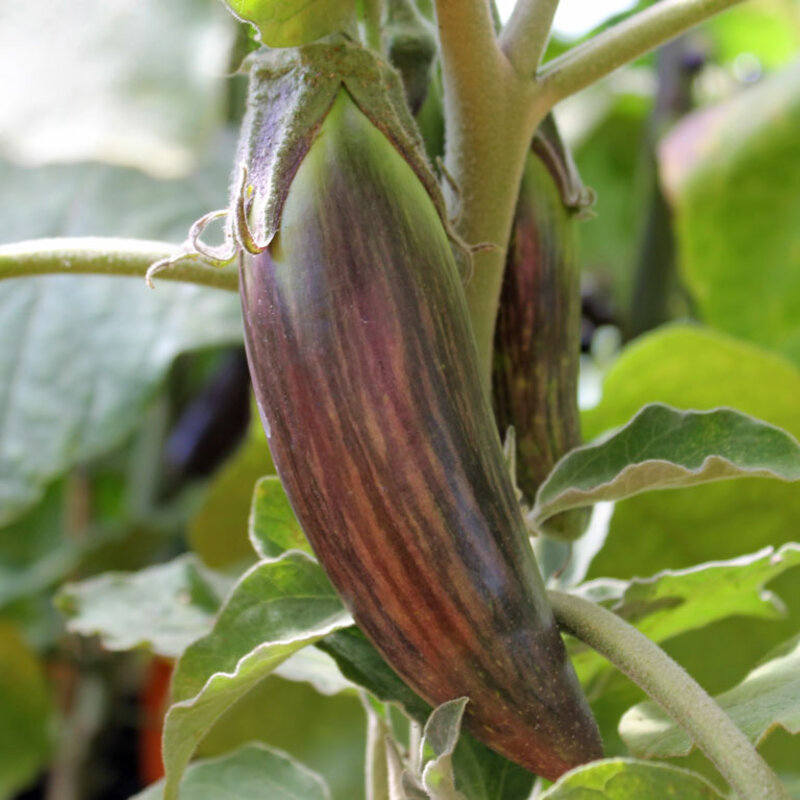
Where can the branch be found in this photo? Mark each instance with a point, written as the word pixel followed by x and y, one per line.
pixel 525 35
pixel 594 59
pixel 647 665
pixel 107 256
pixel 373 11
pixel 491 113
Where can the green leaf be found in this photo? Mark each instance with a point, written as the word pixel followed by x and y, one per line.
pixel 663 448
pixel 73 385
pixel 693 367
pixel 324 733
pixel 608 157
pixel 767 698
pixel 147 91
pixel 142 208
pixel 441 735
pixel 627 779
pixel 310 665
pixel 481 774
pixel 254 772
pixel 673 602
pixel 162 608
pixel 732 172
pixel 276 608
pixel 766 29
pixel 117 337
pixel 362 664
pixel 289 23
pixel 273 525
pixel 25 711
pixel 34 553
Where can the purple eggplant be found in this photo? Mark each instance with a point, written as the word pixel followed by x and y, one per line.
pixel 365 371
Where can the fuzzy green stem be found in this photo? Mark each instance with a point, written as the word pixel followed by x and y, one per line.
pixel 376 768
pixel 373 11
pixel 647 665
pixel 107 256
pixel 490 116
pixel 633 37
pixel 524 37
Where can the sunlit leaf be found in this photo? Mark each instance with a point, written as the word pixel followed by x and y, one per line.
pixel 691 367
pixel 663 448
pixel 288 23
pixel 276 608
pixel 273 525
pixel 254 772
pixel 733 172
pixel 163 608
pixel 441 735
pixel 673 602
pixel 626 779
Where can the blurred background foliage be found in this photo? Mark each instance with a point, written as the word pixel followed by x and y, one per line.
pixel 126 438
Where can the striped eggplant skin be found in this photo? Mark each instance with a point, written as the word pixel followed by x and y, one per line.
pixel 537 339
pixel 365 372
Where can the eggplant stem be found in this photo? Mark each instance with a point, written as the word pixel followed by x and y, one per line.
pixel 666 682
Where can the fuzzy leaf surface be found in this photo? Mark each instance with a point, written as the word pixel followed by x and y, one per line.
pixel 664 448
pixel 627 779
pixel 162 608
pixel 441 735
pixel 273 525
pixel 691 367
pixel 481 774
pixel 81 356
pixel 254 772
pixel 673 602
pixel 276 608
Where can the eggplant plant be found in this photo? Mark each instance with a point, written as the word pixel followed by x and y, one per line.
pixel 401 230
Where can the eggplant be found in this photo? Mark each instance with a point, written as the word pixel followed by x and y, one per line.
pixel 365 371
pixel 537 338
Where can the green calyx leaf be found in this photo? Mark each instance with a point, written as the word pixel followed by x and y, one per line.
pixel 291 92
pixel 290 23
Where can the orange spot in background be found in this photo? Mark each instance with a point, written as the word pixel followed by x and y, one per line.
pixel 153 704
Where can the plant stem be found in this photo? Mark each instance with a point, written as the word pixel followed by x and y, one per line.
pixel 372 24
pixel 376 769
pixel 107 256
pixel 675 690
pixel 633 37
pixel 525 35
pixel 490 117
